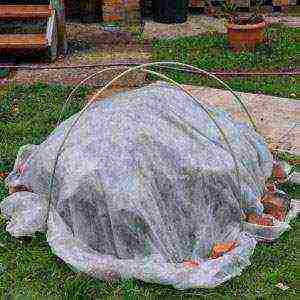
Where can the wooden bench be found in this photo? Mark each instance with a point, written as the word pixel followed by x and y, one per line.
pixel 46 41
pixel 23 41
pixel 17 12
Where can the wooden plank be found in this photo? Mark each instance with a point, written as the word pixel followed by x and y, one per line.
pixel 25 11
pixel 52 36
pixel 23 41
pixel 59 6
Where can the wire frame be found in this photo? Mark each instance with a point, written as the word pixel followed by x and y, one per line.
pixel 173 82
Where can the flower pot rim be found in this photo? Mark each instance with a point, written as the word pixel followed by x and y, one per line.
pixel 259 25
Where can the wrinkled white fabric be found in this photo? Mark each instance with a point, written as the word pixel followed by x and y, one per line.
pixel 145 182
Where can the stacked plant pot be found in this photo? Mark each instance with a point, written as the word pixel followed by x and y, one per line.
pixel 196 3
pixel 196 6
pixel 121 11
pixel 170 11
pixel 90 10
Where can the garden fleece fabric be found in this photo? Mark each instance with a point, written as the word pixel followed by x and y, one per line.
pixel 145 182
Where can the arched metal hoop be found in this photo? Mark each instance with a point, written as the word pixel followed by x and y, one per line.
pixel 237 98
pixel 60 150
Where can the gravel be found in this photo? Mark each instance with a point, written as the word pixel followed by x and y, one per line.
pixel 195 25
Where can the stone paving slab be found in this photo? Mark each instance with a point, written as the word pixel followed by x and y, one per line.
pixel 274 116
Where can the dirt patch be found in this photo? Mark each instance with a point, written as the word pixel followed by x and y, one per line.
pixel 74 76
pixel 202 24
pixel 195 25
pixel 89 44
pixel 90 37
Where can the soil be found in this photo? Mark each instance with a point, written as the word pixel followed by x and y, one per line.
pixel 90 44
pixel 85 37
pixel 87 44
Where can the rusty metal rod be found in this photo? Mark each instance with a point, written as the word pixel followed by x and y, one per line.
pixel 135 63
pixel 31 67
pixel 222 73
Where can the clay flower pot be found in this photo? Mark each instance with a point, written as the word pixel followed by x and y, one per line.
pixel 246 36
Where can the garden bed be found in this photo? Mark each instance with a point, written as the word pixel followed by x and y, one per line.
pixel 29 114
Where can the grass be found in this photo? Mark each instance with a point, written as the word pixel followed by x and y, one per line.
pixel 38 110
pixel 211 52
pixel 27 265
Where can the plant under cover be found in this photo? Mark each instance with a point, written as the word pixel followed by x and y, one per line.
pixel 230 12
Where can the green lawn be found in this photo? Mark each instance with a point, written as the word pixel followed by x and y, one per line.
pixel 211 52
pixel 28 266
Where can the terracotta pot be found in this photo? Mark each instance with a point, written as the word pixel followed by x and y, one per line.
pixel 246 36
pixel 280 2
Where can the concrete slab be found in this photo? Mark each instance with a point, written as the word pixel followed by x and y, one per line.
pixel 277 119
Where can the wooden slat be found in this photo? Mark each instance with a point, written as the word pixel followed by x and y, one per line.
pixel 25 11
pixel 23 41
pixel 51 36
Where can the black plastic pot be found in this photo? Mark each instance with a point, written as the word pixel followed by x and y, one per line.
pixel 90 11
pixel 170 11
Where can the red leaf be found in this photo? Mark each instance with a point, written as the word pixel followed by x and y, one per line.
pixel 265 220
pixel 274 206
pixel 22 168
pixel 221 249
pixel 279 173
pixel 3 174
pixel 191 264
